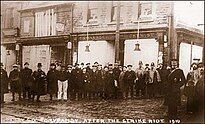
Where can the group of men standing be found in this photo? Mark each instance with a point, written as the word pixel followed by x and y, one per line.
pixel 97 82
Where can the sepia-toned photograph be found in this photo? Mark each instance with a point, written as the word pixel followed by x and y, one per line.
pixel 102 62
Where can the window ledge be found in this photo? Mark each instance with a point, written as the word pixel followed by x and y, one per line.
pixel 143 20
pixel 114 23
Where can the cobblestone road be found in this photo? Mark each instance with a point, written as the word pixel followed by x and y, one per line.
pixel 72 111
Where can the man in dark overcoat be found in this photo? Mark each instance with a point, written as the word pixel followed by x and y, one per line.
pixel 109 81
pixel 116 73
pixel 40 83
pixel 129 79
pixel 52 80
pixel 27 81
pixel 77 74
pixel 176 79
pixel 140 80
pixel 15 82
pixel 94 81
pixel 4 83
pixel 100 80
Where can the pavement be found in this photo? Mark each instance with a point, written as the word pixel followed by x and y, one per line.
pixel 104 111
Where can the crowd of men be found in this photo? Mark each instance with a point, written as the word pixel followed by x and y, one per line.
pixel 109 82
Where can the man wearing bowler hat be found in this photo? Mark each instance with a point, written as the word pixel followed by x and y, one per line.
pixel 176 79
pixel 39 82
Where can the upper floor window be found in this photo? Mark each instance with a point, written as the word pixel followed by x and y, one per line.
pixel 45 23
pixel 114 12
pixel 146 9
pixel 92 13
pixel 9 18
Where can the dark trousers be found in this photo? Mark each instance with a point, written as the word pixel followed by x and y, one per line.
pixel 172 111
pixel 26 92
pixel 2 97
pixel 151 90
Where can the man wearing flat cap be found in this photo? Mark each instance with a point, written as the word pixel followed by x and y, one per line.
pixel 88 68
pixel 4 83
pixel 176 79
pixel 40 83
pixel 15 82
pixel 129 79
pixel 27 81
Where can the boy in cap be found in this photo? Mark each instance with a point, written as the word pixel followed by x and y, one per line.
pixel 154 78
pixel 129 78
pixel 15 82
pixel 27 81
pixel 4 83
pixel 140 80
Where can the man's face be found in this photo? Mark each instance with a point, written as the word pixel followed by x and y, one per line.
pixel 63 68
pixel 26 66
pixel 52 67
pixel 194 67
pixel 100 67
pixel 105 69
pixel 88 65
pixel 110 67
pixel 69 69
pixel 160 65
pixel 94 68
pixel 39 67
pixel 120 68
pixel 124 69
pixel 15 68
pixel 129 68
pixel 84 70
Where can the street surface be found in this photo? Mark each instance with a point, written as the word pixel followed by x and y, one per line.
pixel 79 111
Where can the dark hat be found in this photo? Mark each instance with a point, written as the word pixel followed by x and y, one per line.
pixel 15 65
pixel 194 63
pixel 63 66
pixel 53 64
pixel 105 66
pixel 26 63
pixel 87 63
pixel 174 60
pixel 76 64
pixel 94 66
pixel 140 62
pixel 39 65
pixel 95 62
pixel 110 65
pixel 82 63
pixel 69 66
pixel 200 64
pixel 2 64
pixel 146 64
pixel 129 65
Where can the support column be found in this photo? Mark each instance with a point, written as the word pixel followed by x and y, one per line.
pixel 117 36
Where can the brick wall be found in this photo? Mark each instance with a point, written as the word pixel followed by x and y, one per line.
pixel 128 13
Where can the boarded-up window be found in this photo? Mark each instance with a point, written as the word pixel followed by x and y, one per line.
pixel 26 26
pixel 45 23
pixel 9 18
